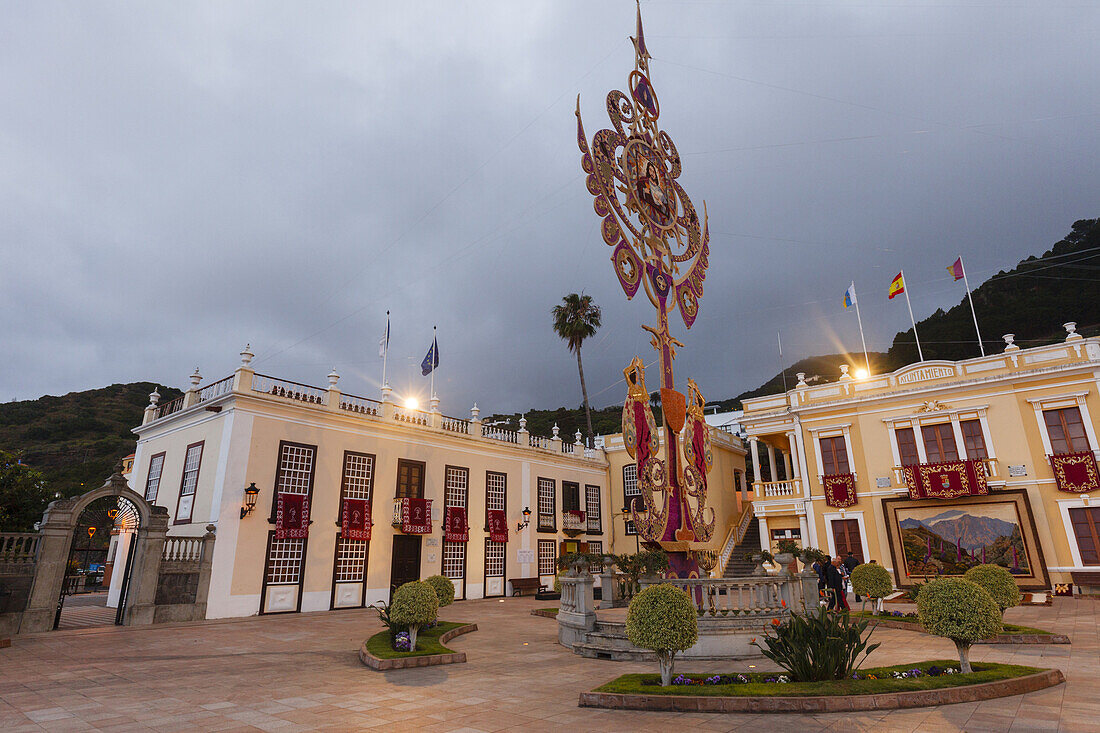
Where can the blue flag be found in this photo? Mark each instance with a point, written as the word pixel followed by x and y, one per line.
pixel 431 360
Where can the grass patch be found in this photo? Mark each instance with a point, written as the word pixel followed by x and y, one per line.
pixel 1008 628
pixel 634 684
pixel 549 610
pixel 427 642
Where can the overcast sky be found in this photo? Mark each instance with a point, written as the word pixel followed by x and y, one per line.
pixel 178 179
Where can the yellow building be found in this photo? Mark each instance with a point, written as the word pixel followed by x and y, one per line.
pixel 283 471
pixel 941 465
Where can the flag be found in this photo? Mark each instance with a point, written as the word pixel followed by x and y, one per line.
pixel 384 342
pixel 431 359
pixel 850 296
pixel 897 287
pixel 956 269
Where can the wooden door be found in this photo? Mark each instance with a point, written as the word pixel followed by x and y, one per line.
pixel 405 561
pixel 846 538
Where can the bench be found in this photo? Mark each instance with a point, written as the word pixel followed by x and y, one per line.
pixel 519 585
pixel 1090 580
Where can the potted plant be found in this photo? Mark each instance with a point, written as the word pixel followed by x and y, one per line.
pixel 759 558
pixel 787 551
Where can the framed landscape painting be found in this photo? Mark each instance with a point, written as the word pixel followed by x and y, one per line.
pixel 933 538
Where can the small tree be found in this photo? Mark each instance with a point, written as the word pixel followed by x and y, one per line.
pixel 871 580
pixel 414 605
pixel 662 618
pixel 444 589
pixel 960 610
pixel 998 582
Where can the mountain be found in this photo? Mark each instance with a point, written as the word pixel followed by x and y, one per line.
pixel 76 439
pixel 972 532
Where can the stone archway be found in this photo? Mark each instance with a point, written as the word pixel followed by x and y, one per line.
pixel 56 532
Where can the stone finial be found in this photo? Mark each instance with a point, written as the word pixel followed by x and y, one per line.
pixel 333 377
pixel 196 378
pixel 154 397
pixel 577 436
pixel 523 423
pixel 801 380
pixel 387 392
pixel 433 403
pixel 556 430
pixel 1009 338
pixel 1071 331
pixel 246 355
pixel 844 375
pixel 475 414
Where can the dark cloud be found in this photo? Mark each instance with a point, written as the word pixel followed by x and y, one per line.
pixel 181 179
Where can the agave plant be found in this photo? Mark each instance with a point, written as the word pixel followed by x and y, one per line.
pixel 817 646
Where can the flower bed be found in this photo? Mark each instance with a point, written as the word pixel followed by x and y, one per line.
pixel 378 653
pixel 907 685
pixel 1011 635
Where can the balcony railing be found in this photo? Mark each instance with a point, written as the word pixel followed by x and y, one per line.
pixel 537 441
pixel 169 407
pixel 455 425
pixel 573 520
pixel 412 417
pixel 289 390
pixel 502 434
pixel 216 389
pixel 18 547
pixel 774 489
pixel 360 405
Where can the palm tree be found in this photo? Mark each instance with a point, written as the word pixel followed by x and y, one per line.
pixel 576 319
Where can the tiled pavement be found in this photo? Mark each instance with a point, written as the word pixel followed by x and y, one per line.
pixel 301 672
pixel 85 611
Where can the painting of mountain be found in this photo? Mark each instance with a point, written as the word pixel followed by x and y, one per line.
pixel 938 541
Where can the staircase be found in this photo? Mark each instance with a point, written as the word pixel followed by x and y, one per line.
pixel 609 641
pixel 738 566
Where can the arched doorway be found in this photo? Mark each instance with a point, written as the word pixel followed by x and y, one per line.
pixel 64 557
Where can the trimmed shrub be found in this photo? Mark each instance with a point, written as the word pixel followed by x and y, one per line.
pixel 818 645
pixel 998 582
pixel 414 605
pixel 872 581
pixel 444 588
pixel 662 618
pixel 960 610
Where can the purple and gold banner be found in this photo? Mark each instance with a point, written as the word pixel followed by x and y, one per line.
pixel 840 490
pixel 946 480
pixel 1075 472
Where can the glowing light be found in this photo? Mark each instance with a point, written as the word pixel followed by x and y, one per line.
pixel 861 373
pixel 412 403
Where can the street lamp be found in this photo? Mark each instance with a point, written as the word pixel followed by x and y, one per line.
pixel 526 519
pixel 250 494
pixel 626 518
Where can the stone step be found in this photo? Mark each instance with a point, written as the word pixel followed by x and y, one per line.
pixel 593 651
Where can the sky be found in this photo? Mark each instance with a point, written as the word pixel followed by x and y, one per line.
pixel 180 179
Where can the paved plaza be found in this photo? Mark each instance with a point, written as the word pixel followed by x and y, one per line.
pixel 301 672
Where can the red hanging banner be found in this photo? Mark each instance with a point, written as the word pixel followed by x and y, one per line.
pixel 1075 472
pixel 455 526
pixel 355 521
pixel 498 525
pixel 946 480
pixel 840 490
pixel 416 516
pixel 291 516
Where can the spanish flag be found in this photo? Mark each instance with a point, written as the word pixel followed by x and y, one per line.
pixel 897 286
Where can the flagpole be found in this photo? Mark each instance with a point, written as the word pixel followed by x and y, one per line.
pixel 859 320
pixel 972 312
pixel 912 320
pixel 435 358
pixel 386 350
pixel 782 365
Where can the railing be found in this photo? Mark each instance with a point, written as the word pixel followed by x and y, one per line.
pixel 767 597
pixel 573 520
pixel 412 417
pixel 502 434
pixel 18 547
pixel 590 452
pixel 169 407
pixel 733 539
pixel 397 504
pixel 568 602
pixel 568 448
pixel 289 390
pixel 771 489
pixel 217 389
pixel 360 405
pixel 455 425
pixel 182 549
pixel 537 441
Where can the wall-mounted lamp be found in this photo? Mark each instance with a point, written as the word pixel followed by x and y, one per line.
pixel 526 519
pixel 250 494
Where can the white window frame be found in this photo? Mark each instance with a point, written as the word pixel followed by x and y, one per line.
pixel 149 477
pixel 832 432
pixel 552 558
pixel 542 485
pixel 856 515
pixel 588 508
pixel 1055 402
pixel 1064 505
pixel 628 493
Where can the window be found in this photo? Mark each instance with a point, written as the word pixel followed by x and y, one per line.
pixel 189 482
pixel 293 475
pixel 592 507
pixel 351 560
pixel 630 492
pixel 358 475
pixel 939 443
pixel 456 492
pixel 907 446
pixel 357 483
pixel 973 440
pixel 152 481
pixel 596 548
pixel 546 500
pixel 548 556
pixel 570 496
pixel 496 490
pixel 410 479
pixel 454 560
pixel 834 456
pixel 1086 527
pixel 1066 430
pixel 284 561
pixel 494 559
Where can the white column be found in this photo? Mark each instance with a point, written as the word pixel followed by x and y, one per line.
pixel 119 569
pixel 804 530
pixel 765 541
pixel 788 471
pixel 773 461
pixel 960 444
pixel 744 487
pixel 754 444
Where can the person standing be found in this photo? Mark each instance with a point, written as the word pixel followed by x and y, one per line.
pixel 834 580
pixel 850 564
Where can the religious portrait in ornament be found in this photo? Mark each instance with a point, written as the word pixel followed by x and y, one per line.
pixel 649 186
pixel 643 94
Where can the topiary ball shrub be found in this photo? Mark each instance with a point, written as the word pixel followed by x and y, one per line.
pixel 960 610
pixel 444 589
pixel 414 605
pixel 998 582
pixel 662 618
pixel 872 581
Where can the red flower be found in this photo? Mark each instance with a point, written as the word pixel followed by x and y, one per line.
pixel 775 622
pixel 783 604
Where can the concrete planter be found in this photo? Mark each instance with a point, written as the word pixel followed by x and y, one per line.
pixel 425 660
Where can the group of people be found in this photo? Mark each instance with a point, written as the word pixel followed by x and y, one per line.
pixel 833 579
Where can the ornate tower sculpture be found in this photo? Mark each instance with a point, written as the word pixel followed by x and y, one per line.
pixel 657 245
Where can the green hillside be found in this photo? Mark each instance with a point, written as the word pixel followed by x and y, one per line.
pixel 75 440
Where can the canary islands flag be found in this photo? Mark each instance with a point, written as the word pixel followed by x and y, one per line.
pixel 850 296
pixel 897 287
